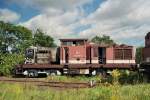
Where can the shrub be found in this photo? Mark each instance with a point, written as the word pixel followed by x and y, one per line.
pixel 8 62
pixel 115 75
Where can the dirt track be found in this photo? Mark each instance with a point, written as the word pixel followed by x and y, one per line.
pixel 35 81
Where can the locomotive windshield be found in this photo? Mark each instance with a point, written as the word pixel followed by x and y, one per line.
pixel 73 43
pixel 29 53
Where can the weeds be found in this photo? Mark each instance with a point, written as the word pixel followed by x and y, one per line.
pixel 127 92
pixel 114 91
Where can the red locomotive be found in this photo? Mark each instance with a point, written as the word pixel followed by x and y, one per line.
pixel 77 56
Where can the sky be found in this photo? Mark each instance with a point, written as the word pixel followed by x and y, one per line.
pixel 125 21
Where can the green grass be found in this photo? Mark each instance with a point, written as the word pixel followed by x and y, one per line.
pixel 72 79
pixel 118 92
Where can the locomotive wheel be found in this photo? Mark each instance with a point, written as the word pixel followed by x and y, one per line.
pixel 32 73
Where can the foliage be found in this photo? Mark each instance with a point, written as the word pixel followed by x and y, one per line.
pixel 13 41
pixel 106 40
pixel 28 92
pixel 115 75
pixel 13 37
pixel 139 55
pixel 8 62
pixel 131 77
pixel 41 39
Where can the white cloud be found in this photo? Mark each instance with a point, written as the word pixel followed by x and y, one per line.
pixel 44 4
pixel 58 18
pixel 57 25
pixel 7 15
pixel 123 20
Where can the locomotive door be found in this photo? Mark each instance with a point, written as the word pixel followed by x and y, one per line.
pixel 102 55
pixel 66 54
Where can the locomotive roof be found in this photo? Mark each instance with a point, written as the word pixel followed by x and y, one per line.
pixel 115 45
pixel 73 39
pixel 98 45
pixel 122 46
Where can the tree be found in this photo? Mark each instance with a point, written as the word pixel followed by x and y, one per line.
pixel 41 39
pixel 14 37
pixel 139 55
pixel 24 37
pixel 3 33
pixel 103 40
pixel 1 39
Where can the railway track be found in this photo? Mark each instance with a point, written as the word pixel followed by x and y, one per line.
pixel 49 83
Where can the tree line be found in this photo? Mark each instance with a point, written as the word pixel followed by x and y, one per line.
pixel 15 38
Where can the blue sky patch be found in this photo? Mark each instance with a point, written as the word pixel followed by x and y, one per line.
pixel 92 6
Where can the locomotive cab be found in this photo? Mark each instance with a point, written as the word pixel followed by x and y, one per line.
pixel 73 51
pixel 42 55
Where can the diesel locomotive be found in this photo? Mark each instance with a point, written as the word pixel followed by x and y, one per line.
pixel 77 56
